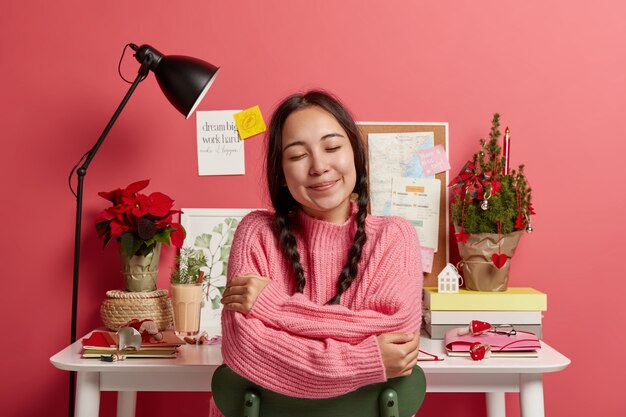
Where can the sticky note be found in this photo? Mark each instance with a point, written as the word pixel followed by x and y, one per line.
pixel 428 256
pixel 434 160
pixel 249 122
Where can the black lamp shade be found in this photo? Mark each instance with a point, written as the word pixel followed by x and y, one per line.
pixel 184 81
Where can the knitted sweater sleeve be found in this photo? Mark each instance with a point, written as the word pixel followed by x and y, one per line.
pixel 393 302
pixel 284 362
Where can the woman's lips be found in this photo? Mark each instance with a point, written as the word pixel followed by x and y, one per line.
pixel 323 186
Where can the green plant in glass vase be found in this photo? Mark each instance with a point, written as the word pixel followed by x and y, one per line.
pixel 189 264
pixel 491 207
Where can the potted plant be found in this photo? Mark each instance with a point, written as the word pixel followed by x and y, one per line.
pixel 186 282
pixel 491 208
pixel 140 223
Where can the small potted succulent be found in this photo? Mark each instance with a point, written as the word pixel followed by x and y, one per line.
pixel 491 208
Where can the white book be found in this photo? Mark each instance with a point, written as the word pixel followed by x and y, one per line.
pixel 438 331
pixel 494 317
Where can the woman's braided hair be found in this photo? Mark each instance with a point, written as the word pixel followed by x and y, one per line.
pixel 284 203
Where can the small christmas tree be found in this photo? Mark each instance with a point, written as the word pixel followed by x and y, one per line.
pixel 487 199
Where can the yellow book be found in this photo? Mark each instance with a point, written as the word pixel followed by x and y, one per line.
pixel 513 299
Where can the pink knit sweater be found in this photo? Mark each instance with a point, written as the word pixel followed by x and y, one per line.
pixel 292 343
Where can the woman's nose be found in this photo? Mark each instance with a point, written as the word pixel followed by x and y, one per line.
pixel 319 165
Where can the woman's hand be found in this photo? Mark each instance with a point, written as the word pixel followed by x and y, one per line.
pixel 399 352
pixel 242 291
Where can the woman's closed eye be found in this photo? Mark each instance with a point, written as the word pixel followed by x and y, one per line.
pixel 297 157
pixel 333 149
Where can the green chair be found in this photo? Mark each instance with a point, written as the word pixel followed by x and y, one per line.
pixel 236 396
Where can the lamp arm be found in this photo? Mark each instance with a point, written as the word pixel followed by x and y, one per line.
pixel 81 172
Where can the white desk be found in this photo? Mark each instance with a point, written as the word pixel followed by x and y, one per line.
pixel 193 368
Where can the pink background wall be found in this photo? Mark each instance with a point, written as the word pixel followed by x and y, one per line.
pixel 555 70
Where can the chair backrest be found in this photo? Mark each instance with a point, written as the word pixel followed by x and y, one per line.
pixel 236 396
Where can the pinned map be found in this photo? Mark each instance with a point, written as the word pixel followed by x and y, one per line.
pixel 394 155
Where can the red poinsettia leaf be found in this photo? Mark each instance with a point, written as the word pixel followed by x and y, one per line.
pixel 159 204
pixel 114 196
pixel 178 236
pixel 117 229
pixel 499 259
pixel 531 209
pixel 164 222
pixel 136 186
pixel 104 216
pixel 141 205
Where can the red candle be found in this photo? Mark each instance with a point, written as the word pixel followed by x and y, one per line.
pixel 506 151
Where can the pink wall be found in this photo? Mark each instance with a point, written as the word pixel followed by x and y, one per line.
pixel 553 69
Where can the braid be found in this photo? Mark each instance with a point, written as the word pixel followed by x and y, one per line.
pixel 351 268
pixel 290 248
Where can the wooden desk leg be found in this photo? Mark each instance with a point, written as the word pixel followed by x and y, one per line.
pixel 531 395
pixel 495 404
pixel 126 403
pixel 87 394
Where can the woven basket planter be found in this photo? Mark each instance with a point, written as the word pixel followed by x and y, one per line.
pixel 121 306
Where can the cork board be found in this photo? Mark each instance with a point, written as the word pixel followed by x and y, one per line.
pixel 440 131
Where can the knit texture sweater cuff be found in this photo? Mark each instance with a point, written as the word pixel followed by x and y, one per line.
pixel 265 306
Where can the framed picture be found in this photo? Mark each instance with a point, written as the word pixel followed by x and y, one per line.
pixel 212 231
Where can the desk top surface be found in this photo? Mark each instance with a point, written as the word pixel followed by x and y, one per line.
pixel 196 358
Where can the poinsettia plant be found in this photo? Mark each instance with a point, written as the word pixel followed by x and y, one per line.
pixel 486 197
pixel 139 221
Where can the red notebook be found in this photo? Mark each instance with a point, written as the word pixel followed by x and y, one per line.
pixel 100 339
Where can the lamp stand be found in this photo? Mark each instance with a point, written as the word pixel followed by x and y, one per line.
pixel 81 172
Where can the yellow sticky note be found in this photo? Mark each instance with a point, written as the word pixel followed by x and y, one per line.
pixel 249 122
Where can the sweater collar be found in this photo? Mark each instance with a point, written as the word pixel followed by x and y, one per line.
pixel 327 234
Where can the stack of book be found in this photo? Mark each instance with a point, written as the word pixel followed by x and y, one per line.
pixel 517 306
pixel 102 343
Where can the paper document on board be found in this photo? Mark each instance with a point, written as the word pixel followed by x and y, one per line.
pixel 394 154
pixel 417 200
pixel 220 148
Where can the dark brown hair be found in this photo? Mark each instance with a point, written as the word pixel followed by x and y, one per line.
pixel 284 203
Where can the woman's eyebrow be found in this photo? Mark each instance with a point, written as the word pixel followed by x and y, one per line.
pixel 331 135
pixel 326 136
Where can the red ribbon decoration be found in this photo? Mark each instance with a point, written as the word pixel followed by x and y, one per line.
pixel 468 181
pixel 471 181
pixel 462 236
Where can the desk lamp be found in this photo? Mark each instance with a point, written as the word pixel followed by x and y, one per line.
pixel 184 81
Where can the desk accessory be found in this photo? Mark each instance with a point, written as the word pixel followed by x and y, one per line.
pixel 490 211
pixel 484 342
pixel 184 81
pixel 186 280
pixel 120 307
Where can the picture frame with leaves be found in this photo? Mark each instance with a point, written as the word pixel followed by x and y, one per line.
pixel 212 230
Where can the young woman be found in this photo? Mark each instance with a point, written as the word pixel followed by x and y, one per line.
pixel 321 297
